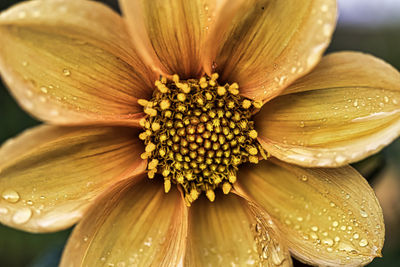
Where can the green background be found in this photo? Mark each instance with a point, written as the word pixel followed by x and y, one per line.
pixel 23 249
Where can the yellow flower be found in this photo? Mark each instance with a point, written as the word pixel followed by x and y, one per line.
pixel 94 78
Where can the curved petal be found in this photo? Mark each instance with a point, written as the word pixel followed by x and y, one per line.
pixel 71 62
pixel 266 45
pixel 328 217
pixel 170 33
pixel 49 175
pixel 345 110
pixel 228 232
pixel 131 225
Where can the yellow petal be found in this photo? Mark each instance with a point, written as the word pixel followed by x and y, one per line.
pixel 227 232
pixel 170 33
pixel 131 225
pixel 49 175
pixel 266 45
pixel 345 110
pixel 71 62
pixel 328 217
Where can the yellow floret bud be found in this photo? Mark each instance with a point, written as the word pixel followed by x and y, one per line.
pixel 252 151
pixel 210 195
pixel 143 136
pixel 152 164
pixel 181 97
pixel 226 188
pixel 151 173
pixel 144 102
pixel 165 104
pixel 214 76
pixel 194 194
pixel 167 185
pixel 253 134
pixel 155 126
pixel 221 90
pixel 246 104
pixel 175 78
pixel 257 104
pixel 150 147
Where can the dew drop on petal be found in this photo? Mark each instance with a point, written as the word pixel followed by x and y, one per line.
pixel 363 242
pixel 66 72
pixel 10 195
pixel 3 211
pixel 22 215
pixel 363 213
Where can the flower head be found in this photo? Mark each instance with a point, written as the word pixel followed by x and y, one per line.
pixel 225 100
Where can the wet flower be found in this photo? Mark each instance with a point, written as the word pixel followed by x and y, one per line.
pixel 245 134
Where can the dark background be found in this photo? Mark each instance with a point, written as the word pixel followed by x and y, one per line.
pixel 382 171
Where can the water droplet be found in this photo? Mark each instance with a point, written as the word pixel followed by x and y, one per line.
pixel 277 258
pixel 335 224
pixel 85 239
pixel 386 99
pixel 265 252
pixel 340 159
pixel 313 235
pixel 24 63
pixel 304 178
pixel 66 72
pixel 302 124
pixel 356 236
pixel 327 241
pixel 44 90
pixel 3 211
pixel 22 14
pixel 363 242
pixel 10 195
pixel 22 215
pixel 327 29
pixel 36 13
pixel 345 247
pixel 363 213
pixel 54 112
pixel 314 228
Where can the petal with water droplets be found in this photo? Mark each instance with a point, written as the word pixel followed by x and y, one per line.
pixel 71 62
pixel 328 217
pixel 265 45
pixel 343 111
pixel 49 175
pixel 231 232
pixel 131 225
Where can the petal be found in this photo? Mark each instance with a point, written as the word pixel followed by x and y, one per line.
pixel 345 110
pixel 71 62
pixel 50 175
pixel 132 225
pixel 228 233
pixel 328 217
pixel 170 33
pixel 266 45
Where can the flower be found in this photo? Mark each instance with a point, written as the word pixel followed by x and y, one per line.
pixel 94 78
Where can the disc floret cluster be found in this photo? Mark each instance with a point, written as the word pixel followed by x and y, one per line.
pixel 197 133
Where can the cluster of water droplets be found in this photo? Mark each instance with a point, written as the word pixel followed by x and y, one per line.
pixel 339 228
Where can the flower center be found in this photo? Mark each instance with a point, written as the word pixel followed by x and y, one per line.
pixel 197 133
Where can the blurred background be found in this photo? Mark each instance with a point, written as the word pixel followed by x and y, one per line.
pixel 371 26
